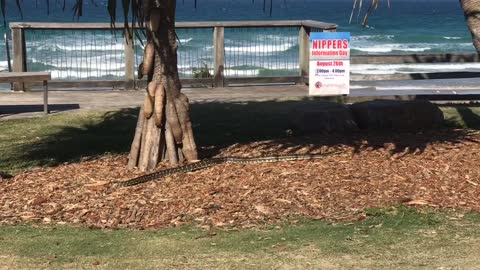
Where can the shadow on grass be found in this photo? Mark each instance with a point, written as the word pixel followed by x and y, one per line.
pixel 15 109
pixel 463 116
pixel 92 138
pixel 220 125
pixel 470 119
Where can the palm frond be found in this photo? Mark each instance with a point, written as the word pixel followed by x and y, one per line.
pixel 373 5
pixel 112 11
pixel 77 9
pixel 19 7
pixel 126 9
pixel 3 7
pixel 353 10
pixel 4 14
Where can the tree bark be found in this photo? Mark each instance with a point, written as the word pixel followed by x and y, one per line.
pixel 135 148
pixel 471 10
pixel 167 129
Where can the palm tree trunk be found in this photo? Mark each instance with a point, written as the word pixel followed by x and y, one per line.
pixel 471 9
pixel 166 129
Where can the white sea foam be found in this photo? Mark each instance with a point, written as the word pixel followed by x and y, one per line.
pixel 413 68
pixel 64 74
pixel 230 72
pixel 103 63
pixel 184 66
pixel 279 37
pixel 242 73
pixel 250 66
pixel 94 47
pixel 185 40
pixel 73 45
pixel 411 47
pixel 101 71
pixel 264 48
pixel 452 37
pixel 386 48
pixel 371 37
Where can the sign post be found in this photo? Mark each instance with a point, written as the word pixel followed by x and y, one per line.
pixel 329 73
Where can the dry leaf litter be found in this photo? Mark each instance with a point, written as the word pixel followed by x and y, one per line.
pixel 439 174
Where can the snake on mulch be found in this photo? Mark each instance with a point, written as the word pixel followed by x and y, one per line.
pixel 215 161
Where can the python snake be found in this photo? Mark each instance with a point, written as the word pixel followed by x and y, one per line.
pixel 215 161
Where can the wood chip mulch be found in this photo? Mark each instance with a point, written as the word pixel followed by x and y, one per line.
pixel 440 169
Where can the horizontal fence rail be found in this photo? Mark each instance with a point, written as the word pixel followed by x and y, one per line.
pixel 209 53
pixel 87 55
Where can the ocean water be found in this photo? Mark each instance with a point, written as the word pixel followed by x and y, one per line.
pixel 407 27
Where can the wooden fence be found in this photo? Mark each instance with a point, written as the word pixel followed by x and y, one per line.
pixel 218 42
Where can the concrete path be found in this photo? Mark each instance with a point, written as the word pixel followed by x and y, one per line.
pixel 28 104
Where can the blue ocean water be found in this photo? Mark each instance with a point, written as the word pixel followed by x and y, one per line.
pixel 408 26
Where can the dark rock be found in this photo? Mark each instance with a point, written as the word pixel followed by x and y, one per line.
pixel 322 117
pixel 397 114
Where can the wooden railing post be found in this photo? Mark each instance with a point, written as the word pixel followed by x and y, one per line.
pixel 304 47
pixel 219 55
pixel 129 60
pixel 19 59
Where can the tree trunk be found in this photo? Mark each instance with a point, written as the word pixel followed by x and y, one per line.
pixel 164 121
pixel 471 9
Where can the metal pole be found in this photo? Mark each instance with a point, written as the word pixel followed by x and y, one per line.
pixel 5 36
pixel 45 97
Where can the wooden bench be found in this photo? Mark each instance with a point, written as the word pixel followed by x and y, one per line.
pixel 23 77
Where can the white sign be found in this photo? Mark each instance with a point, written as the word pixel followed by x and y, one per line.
pixel 329 73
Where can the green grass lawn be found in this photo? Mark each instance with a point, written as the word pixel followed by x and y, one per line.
pixel 394 238
pixel 66 137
